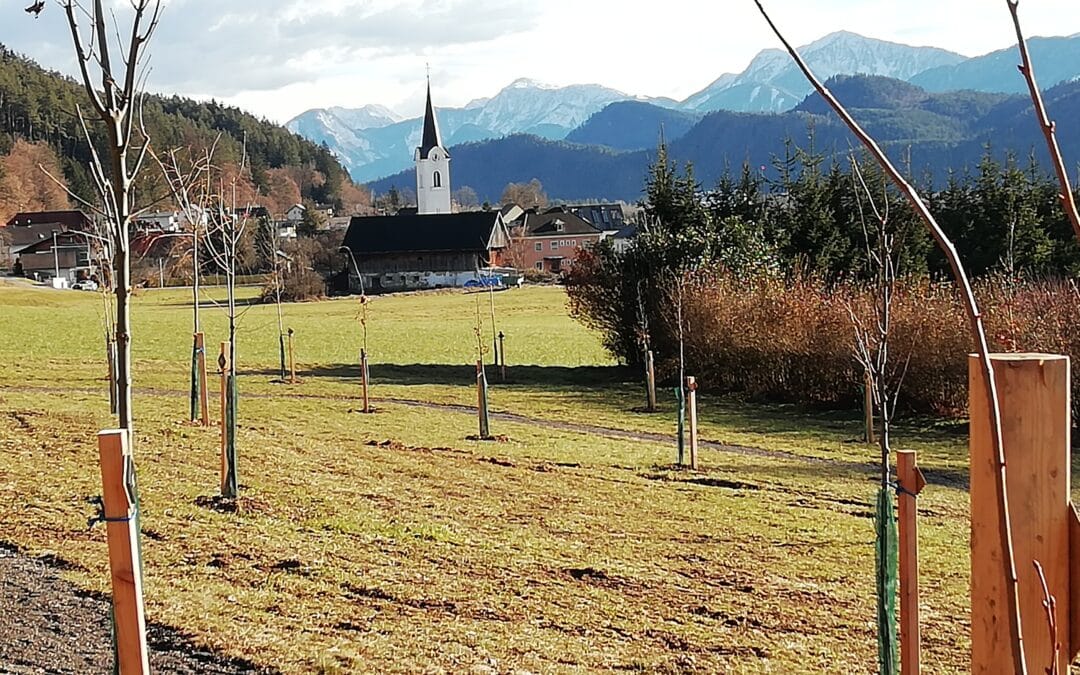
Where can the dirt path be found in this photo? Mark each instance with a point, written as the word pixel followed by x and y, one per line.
pixel 48 625
pixel 515 418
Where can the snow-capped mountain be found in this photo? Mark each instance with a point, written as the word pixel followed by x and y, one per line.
pixel 373 141
pixel 772 83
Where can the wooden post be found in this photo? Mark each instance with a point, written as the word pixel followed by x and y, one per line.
pixel 204 396
pixel 223 366
pixel 364 379
pixel 502 356
pixel 1035 425
pixel 691 387
pixel 292 359
pixel 911 482
pixel 118 500
pixel 868 408
pixel 481 401
pixel 650 382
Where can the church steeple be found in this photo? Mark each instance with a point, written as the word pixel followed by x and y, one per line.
pixel 432 166
pixel 431 138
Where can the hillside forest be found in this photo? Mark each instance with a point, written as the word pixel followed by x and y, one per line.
pixel 39 128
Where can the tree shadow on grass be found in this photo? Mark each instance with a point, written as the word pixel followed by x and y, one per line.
pixel 532 377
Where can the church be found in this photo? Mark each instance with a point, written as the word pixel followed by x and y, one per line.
pixel 432 247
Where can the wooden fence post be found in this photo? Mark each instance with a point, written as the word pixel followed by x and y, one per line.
pixel 650 382
pixel 911 482
pixel 364 379
pixel 119 508
pixel 1035 425
pixel 680 395
pixel 481 401
pixel 292 359
pixel 223 366
pixel 691 387
pixel 868 408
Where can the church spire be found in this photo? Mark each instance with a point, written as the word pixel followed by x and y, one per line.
pixel 431 137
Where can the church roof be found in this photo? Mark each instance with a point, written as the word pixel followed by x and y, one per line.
pixel 472 231
pixel 431 138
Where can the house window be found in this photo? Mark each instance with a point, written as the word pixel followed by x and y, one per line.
pixel 539 246
pixel 540 264
pixel 436 180
pixel 554 246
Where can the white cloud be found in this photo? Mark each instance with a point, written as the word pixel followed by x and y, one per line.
pixel 279 57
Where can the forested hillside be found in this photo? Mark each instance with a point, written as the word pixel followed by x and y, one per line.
pixel 39 125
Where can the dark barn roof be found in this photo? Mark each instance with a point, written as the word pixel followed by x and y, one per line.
pixel 409 233
pixel 71 220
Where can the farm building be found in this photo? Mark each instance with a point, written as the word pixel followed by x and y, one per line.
pixel 551 240
pixel 408 252
pixel 32 228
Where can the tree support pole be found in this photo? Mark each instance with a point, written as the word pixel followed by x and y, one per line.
pixel 121 521
pixel 364 379
pixel 680 394
pixel 204 395
pixel 292 359
pixel 911 483
pixel 868 408
pixel 482 402
pixel 691 387
pixel 1035 428
pixel 650 382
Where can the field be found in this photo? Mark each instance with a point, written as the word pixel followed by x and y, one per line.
pixel 391 543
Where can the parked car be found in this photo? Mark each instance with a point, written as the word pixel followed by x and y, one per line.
pixel 484 282
pixel 85 285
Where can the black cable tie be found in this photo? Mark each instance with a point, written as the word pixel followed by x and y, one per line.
pixel 99 516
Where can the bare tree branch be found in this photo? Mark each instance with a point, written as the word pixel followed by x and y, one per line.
pixel 978 333
pixel 1068 201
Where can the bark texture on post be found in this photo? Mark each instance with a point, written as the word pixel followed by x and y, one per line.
pixel 1035 425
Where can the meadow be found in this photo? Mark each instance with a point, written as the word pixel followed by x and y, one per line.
pixel 391 543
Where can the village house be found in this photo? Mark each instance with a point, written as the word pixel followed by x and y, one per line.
pixel 36 229
pixel 550 241
pixel 606 217
pixel 428 247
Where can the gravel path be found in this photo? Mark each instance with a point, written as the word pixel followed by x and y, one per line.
pixel 48 625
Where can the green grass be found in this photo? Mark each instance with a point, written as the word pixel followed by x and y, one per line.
pixel 388 542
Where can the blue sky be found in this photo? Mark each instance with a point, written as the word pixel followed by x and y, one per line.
pixel 278 58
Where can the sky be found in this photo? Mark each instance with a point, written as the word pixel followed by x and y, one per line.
pixel 278 58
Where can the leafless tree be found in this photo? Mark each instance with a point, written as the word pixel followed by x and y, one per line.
pixel 978 334
pixel 115 89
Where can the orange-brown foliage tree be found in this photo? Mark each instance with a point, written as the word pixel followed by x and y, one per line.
pixel 23 184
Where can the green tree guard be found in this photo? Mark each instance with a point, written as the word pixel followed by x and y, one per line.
pixel 680 395
pixel 887 549
pixel 231 487
pixel 194 378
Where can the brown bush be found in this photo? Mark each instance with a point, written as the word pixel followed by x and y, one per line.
pixel 794 341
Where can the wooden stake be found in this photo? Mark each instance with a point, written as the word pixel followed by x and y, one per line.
pixel 1035 428
pixel 691 387
pixel 364 379
pixel 650 381
pixel 868 408
pixel 118 499
pixel 223 366
pixel 292 359
pixel 204 396
pixel 911 483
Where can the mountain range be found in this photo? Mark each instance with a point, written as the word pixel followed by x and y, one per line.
pixel 373 142
pixel 928 133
